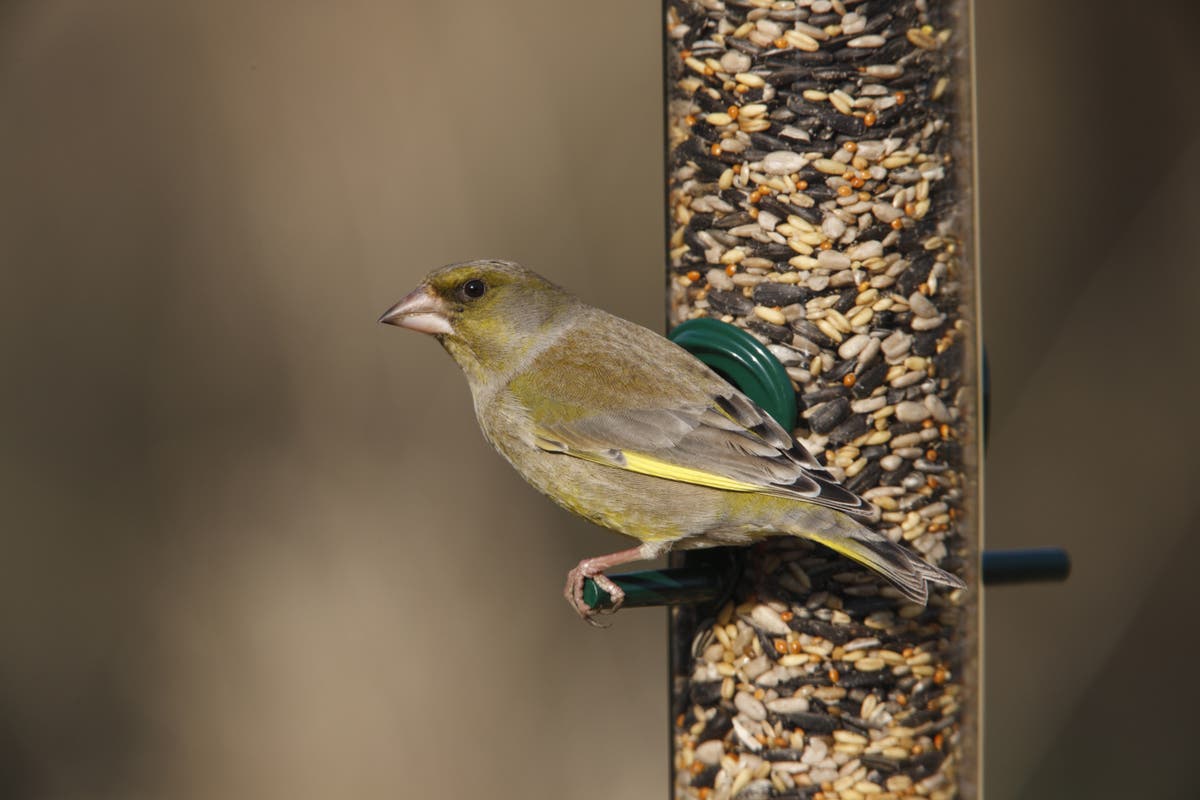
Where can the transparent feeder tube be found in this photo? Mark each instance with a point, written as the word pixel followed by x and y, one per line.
pixel 820 179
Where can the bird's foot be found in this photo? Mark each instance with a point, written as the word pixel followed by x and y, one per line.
pixel 588 568
pixel 594 568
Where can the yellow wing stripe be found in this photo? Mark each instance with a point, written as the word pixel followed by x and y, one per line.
pixel 635 462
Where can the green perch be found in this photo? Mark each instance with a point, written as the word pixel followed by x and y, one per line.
pixel 684 585
pixel 658 587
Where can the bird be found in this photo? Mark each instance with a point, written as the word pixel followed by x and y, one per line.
pixel 623 427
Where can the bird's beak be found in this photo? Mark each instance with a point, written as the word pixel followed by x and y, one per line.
pixel 420 310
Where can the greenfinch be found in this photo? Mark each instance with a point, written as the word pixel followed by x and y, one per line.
pixel 625 428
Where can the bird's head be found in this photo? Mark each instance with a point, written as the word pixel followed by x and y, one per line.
pixel 486 313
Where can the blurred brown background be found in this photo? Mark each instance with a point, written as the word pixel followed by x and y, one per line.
pixel 253 544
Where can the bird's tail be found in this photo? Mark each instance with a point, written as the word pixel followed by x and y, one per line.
pixel 908 571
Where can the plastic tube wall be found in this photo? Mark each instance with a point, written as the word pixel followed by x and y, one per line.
pixel 819 186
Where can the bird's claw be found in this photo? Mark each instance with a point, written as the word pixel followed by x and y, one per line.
pixel 574 592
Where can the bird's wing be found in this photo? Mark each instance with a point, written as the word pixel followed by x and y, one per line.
pixel 729 443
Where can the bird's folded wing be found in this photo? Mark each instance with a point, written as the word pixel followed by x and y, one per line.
pixel 728 444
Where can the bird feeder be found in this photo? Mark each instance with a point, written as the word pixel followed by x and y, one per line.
pixel 820 198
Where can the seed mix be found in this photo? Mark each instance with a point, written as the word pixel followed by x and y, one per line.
pixel 818 171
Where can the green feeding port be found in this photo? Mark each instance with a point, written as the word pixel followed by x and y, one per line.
pixel 743 361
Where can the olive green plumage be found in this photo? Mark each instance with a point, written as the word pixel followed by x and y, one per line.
pixel 619 425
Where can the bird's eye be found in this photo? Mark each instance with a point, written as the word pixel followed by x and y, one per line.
pixel 474 288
